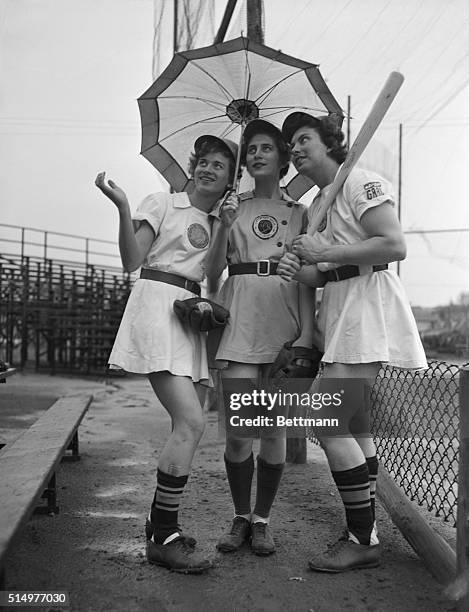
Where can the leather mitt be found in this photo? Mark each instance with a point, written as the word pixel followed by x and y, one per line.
pixel 201 314
pixel 296 362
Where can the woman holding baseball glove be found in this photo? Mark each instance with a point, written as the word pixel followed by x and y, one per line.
pixel 253 231
pixel 169 237
pixel 364 318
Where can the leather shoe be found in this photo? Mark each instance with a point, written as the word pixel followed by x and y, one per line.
pixel 262 542
pixel 178 555
pixel 239 532
pixel 346 555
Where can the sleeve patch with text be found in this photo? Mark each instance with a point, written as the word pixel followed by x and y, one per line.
pixel 373 190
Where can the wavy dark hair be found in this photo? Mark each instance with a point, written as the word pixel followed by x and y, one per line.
pixel 331 135
pixel 282 148
pixel 212 147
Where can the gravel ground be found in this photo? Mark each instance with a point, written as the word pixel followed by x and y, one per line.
pixel 94 548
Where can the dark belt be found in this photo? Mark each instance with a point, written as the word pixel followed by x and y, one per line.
pixel 264 267
pixel 171 279
pixel 344 272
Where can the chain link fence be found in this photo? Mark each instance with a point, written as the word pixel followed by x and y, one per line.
pixel 415 421
pixel 415 425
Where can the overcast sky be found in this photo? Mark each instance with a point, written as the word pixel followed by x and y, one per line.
pixel 72 71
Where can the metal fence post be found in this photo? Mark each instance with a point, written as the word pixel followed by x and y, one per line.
pixel 462 525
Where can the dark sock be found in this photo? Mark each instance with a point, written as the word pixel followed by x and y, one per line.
pixel 240 480
pixel 268 480
pixel 354 489
pixel 165 506
pixel 372 463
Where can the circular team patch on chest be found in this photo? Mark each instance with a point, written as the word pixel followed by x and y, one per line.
pixel 198 235
pixel 265 226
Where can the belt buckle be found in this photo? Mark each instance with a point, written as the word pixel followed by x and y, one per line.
pixel 187 282
pixel 267 267
pixel 335 273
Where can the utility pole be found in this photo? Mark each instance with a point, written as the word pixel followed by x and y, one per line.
pixel 255 20
pixel 175 27
pixel 349 110
pixel 225 22
pixel 399 186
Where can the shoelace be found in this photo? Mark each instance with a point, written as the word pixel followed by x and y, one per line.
pixel 260 527
pixel 185 544
pixel 334 549
pixel 236 527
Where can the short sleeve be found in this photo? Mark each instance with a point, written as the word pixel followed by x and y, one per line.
pixel 364 190
pixel 152 209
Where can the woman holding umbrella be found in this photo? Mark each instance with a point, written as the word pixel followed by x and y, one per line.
pixel 252 233
pixel 169 236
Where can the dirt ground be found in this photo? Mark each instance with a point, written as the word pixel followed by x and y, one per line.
pixel 94 548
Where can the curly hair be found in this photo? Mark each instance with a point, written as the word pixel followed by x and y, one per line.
pixel 332 136
pixel 212 147
pixel 282 148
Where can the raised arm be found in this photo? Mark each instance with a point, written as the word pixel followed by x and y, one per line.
pixel 133 245
pixel 215 261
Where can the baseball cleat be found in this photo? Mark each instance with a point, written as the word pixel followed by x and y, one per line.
pixel 178 556
pixel 346 555
pixel 239 532
pixel 262 542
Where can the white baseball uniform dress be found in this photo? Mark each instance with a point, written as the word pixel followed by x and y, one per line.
pixel 366 318
pixel 151 338
pixel 263 309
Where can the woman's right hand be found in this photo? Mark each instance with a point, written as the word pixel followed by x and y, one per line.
pixel 229 210
pixel 288 266
pixel 112 191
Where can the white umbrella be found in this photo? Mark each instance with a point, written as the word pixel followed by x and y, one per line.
pixel 217 90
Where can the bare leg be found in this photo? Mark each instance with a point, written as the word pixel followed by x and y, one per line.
pixel 182 400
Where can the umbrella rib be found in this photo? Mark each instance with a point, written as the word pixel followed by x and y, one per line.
pixel 185 127
pixel 228 130
pixel 222 87
pixel 247 70
pixel 263 96
pixel 290 107
pixel 217 105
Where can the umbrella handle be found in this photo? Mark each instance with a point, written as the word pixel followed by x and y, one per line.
pixel 238 159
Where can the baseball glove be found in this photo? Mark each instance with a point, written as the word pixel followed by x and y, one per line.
pixel 296 362
pixel 201 314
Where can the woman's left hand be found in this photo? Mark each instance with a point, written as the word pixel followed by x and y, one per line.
pixel 307 249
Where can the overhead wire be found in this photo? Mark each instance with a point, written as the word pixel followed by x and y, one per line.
pixel 360 40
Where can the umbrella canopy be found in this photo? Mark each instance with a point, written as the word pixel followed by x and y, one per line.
pixel 217 90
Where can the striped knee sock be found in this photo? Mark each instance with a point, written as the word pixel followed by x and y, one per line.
pixel 372 463
pixel 354 489
pixel 240 481
pixel 165 506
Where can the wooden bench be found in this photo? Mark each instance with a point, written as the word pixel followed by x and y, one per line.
pixel 6 373
pixel 28 465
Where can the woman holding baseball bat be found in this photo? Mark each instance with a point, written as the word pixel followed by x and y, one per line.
pixel 254 230
pixel 364 318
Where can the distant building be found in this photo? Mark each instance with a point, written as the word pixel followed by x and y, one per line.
pixel 428 319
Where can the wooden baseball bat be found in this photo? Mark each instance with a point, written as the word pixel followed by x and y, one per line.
pixel 375 116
